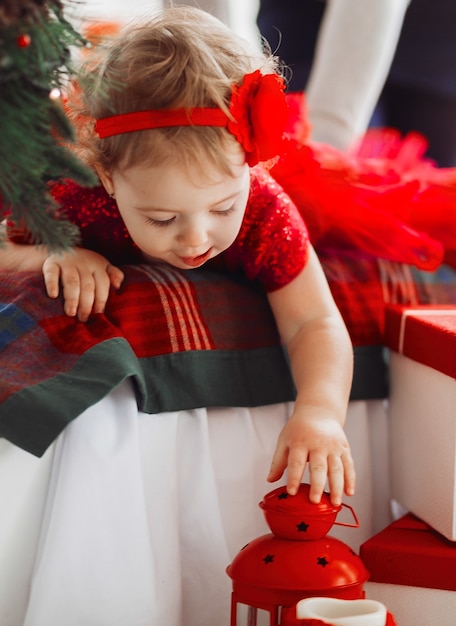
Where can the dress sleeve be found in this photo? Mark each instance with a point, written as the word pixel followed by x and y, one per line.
pixel 272 245
pixel 95 213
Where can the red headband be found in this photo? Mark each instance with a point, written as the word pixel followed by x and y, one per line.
pixel 258 109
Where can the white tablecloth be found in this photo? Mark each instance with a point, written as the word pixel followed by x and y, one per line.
pixel 131 519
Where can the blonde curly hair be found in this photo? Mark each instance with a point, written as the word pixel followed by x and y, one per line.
pixel 180 58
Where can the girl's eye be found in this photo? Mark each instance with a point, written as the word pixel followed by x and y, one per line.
pixel 160 223
pixel 226 211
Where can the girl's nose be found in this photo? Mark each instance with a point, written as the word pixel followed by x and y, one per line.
pixel 193 235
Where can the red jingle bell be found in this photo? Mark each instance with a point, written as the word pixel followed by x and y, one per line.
pixel 295 517
pixel 297 560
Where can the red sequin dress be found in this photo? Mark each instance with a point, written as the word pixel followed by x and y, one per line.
pixel 272 244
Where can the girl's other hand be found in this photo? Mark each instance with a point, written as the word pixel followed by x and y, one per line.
pixel 320 441
pixel 86 278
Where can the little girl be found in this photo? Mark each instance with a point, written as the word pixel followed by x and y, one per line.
pixel 175 117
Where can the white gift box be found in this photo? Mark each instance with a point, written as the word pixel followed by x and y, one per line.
pixel 422 343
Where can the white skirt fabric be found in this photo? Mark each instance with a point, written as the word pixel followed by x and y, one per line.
pixel 131 519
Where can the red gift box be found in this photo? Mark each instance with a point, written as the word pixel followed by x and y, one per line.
pixel 409 552
pixel 412 572
pixel 426 334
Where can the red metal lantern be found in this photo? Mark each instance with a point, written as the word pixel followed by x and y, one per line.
pixel 297 560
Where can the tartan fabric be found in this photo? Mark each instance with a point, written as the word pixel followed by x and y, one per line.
pixel 157 311
pixel 14 323
pixel 185 339
pixel 363 286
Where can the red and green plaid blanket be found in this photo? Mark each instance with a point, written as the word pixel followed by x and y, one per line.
pixel 185 339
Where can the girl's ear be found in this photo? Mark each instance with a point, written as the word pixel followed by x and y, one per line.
pixel 106 180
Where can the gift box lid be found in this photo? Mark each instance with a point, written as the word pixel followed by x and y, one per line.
pixel 409 552
pixel 426 334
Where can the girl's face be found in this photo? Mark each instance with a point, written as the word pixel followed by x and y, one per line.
pixel 180 216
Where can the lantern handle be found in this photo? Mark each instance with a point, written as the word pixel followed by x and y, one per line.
pixel 355 525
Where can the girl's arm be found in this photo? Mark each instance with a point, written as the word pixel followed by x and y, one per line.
pixel 20 258
pixel 321 358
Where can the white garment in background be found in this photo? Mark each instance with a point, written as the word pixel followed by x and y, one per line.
pixel 355 48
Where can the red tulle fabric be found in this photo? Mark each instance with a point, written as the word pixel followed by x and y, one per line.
pixel 384 199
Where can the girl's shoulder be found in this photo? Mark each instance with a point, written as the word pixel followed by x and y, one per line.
pixel 272 244
pixel 264 189
pixel 270 207
pixel 268 197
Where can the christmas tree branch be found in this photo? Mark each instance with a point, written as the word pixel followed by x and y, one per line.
pixel 35 66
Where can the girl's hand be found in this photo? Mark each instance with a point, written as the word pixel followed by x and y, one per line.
pixel 319 440
pixel 86 278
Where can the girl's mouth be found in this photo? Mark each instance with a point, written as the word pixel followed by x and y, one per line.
pixel 196 261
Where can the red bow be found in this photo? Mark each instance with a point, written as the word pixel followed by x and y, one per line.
pixel 260 113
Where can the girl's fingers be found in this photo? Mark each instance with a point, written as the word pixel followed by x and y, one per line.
pixel 71 288
pixel 102 282
pixel 349 473
pixel 277 468
pixel 86 296
pixel 86 279
pixel 318 474
pixel 116 276
pixel 297 460
pixel 51 275
pixel 336 470
pixel 336 479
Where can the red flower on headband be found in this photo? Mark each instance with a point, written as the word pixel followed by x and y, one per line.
pixel 259 109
